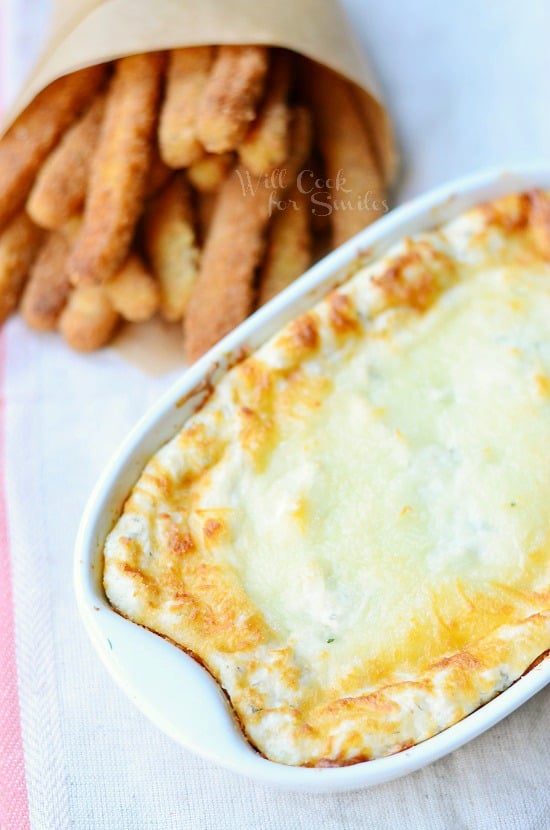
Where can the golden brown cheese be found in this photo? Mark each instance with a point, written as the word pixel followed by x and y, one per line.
pixel 353 533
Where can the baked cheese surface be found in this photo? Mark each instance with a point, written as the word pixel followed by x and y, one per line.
pixel 353 533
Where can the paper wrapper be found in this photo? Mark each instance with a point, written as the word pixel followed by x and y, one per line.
pixel 86 32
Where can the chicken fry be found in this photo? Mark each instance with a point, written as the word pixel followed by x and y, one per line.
pixel 206 204
pixel 158 175
pixel 224 292
pixel 301 138
pixel 33 134
pixel 89 319
pixel 266 144
pixel 171 246
pixel 314 181
pixel 288 251
pixel 133 291
pixel 207 174
pixel 19 243
pixel 48 287
pixel 358 192
pixel 60 187
pixel 188 71
pixel 72 228
pixel 117 183
pixel 229 101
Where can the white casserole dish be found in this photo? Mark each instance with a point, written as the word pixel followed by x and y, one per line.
pixel 169 686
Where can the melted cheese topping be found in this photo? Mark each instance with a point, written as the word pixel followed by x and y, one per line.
pixel 353 533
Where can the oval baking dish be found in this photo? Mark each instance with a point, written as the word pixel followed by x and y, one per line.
pixel 169 686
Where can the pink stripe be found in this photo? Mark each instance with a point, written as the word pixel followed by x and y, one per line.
pixel 14 811
pixel 14 808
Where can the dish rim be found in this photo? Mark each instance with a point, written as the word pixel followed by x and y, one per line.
pixel 170 687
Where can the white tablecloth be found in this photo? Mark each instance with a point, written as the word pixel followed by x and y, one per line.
pixel 468 85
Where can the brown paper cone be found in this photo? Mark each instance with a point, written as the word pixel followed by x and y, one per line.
pixel 86 32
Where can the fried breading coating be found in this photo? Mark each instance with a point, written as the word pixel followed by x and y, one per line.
pixel 33 134
pixel 60 187
pixel 208 173
pixel 357 190
pixel 171 247
pixel 88 320
pixel 186 77
pixel 133 291
pixel 224 292
pixel 19 244
pixel 231 96
pixel 48 287
pixel 288 252
pixel 117 183
pixel 206 204
pixel 266 144
pixel 158 175
pixel 300 140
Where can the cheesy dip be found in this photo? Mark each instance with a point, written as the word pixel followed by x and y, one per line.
pixel 353 533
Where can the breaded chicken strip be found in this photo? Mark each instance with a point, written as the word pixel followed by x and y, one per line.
pixel 188 71
pixel 33 134
pixel 347 153
pixel 207 174
pixel 118 175
pixel 231 96
pixel 266 144
pixel 288 252
pixel 224 293
pixel 48 287
pixel 60 187
pixel 88 320
pixel 171 247
pixel 19 244
pixel 133 291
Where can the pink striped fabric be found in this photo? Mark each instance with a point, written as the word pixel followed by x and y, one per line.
pixel 14 811
pixel 14 814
